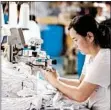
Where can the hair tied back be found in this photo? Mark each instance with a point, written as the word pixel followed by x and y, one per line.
pixel 103 29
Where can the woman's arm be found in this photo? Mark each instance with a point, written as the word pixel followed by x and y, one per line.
pixel 72 82
pixel 80 93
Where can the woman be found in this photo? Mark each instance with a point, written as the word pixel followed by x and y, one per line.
pixel 93 40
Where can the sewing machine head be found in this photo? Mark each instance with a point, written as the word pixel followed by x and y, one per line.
pixel 12 43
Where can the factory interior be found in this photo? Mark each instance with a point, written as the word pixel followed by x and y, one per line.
pixel 34 36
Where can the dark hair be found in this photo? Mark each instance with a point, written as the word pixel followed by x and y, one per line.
pixel 87 23
pixel 93 11
pixel 107 23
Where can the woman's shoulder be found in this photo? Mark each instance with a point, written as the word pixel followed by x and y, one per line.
pixel 103 57
pixel 105 54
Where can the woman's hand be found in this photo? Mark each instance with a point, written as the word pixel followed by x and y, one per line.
pixel 51 76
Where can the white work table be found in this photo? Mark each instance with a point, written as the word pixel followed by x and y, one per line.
pixel 21 90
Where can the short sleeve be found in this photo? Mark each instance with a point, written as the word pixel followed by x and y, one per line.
pixel 99 72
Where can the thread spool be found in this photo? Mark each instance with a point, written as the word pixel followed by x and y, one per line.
pixel 2 16
pixel 12 14
pixel 24 16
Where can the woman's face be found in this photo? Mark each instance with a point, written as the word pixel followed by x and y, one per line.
pixel 81 43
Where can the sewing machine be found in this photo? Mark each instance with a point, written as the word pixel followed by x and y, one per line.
pixel 12 43
pixel 14 47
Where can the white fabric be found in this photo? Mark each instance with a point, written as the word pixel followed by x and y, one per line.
pixel 62 101
pixel 12 84
pixel 22 91
pixel 28 103
pixel 16 77
pixel 97 71
pixel 53 99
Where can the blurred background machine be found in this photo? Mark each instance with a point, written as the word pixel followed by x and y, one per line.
pixel 50 23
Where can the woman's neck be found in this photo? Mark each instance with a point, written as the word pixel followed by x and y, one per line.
pixel 95 51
